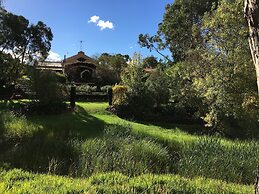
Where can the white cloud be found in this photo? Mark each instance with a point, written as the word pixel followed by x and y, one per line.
pixel 101 23
pixel 53 56
pixel 94 19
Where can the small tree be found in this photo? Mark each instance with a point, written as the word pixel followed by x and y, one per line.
pixel 48 90
pixel 158 85
pixel 134 78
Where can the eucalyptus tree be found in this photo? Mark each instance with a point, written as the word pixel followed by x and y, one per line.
pixel 176 30
pixel 251 11
pixel 23 40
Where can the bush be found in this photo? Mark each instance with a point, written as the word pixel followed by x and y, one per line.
pixel 48 90
pixel 119 93
pixel 50 95
pixel 158 86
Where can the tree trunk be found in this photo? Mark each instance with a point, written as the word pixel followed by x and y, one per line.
pixel 257 181
pixel 251 12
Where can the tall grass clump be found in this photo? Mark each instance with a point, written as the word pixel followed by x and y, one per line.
pixel 119 151
pixel 41 154
pixel 212 158
pixel 16 126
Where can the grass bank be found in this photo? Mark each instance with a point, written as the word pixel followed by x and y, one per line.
pixel 91 140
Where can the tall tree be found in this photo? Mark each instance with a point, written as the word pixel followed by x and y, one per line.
pixel 176 30
pixel 251 11
pixel 109 68
pixel 150 62
pixel 25 41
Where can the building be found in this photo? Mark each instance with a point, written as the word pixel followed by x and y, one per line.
pixel 79 68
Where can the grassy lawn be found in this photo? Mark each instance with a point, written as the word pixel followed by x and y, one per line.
pixel 91 140
pixel 169 133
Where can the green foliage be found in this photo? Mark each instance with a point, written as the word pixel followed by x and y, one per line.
pixel 16 126
pixel 144 89
pixel 119 95
pixel 176 30
pixel 178 22
pixel 105 88
pixel 215 79
pixel 18 181
pixel 10 69
pixel 231 67
pixel 86 88
pixel 110 67
pixel 26 41
pixel 158 86
pixel 45 85
pixel 150 62
pixel 138 96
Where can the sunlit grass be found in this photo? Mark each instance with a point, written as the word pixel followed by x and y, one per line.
pixel 193 155
pixel 17 181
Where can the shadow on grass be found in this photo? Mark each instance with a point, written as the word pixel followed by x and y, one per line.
pixel 55 147
pixel 70 124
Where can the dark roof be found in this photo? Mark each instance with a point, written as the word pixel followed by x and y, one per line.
pixel 80 57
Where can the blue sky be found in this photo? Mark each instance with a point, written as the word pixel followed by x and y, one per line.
pixel 113 29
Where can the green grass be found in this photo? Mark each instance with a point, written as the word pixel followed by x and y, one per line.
pixel 79 144
pixel 17 181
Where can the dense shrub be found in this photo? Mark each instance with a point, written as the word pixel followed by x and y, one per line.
pixel 50 94
pixel 158 86
pixel 141 90
pixel 119 93
pixel 46 86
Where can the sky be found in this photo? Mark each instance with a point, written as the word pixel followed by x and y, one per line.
pixel 103 26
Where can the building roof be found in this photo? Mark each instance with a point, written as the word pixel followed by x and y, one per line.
pixel 80 57
pixel 51 65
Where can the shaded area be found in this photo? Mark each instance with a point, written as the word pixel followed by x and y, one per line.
pixel 49 143
pixel 64 126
